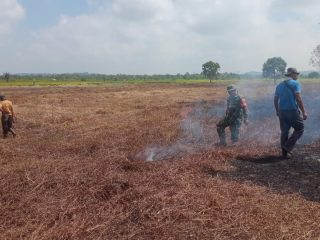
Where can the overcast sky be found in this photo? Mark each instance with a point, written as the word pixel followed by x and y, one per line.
pixel 155 36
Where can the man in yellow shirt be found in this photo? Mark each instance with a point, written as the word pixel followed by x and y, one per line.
pixel 7 117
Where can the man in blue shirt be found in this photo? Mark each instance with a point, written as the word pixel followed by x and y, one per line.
pixel 288 104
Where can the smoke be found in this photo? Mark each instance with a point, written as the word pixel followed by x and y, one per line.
pixel 311 99
pixel 196 134
pixel 199 125
pixel 265 128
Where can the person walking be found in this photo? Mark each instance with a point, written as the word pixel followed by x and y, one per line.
pixel 237 111
pixel 7 117
pixel 289 107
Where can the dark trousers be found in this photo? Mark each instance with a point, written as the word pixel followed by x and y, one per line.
pixel 6 121
pixel 290 119
pixel 233 123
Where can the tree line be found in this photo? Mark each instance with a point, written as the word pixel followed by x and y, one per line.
pixel 274 67
pixel 113 77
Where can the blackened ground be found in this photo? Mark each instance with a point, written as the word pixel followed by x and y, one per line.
pixel 300 175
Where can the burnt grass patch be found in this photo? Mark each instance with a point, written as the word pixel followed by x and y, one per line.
pixel 300 174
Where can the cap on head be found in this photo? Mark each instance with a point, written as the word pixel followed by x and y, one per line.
pixel 2 97
pixel 231 88
pixel 291 71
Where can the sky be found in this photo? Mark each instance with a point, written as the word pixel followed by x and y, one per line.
pixel 155 36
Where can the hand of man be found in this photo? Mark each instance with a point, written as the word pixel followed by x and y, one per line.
pixel 305 116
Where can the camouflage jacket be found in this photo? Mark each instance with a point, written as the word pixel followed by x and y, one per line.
pixel 237 108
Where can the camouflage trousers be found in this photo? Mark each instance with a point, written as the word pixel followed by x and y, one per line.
pixel 234 124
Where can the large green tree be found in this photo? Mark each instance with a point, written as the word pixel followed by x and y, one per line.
pixel 274 68
pixel 315 57
pixel 210 70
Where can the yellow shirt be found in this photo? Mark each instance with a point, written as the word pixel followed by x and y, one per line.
pixel 6 107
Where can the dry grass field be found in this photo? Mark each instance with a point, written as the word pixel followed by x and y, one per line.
pixel 80 167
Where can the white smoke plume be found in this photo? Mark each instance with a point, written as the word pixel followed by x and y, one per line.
pixel 199 131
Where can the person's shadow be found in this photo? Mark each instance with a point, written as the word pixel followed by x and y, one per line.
pixel 300 174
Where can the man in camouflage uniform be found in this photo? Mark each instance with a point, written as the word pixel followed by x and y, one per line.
pixel 237 111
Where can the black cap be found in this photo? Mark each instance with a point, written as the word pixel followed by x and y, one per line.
pixel 291 71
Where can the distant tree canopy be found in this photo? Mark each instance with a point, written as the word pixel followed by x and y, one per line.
pixel 315 57
pixel 314 75
pixel 6 76
pixel 229 76
pixel 274 68
pixel 210 70
pixel 107 77
pixel 123 77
